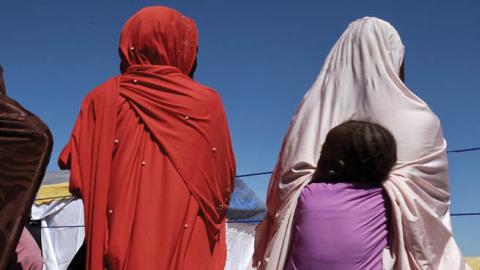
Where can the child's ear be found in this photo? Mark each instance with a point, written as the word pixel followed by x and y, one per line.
pixel 340 164
pixel 339 167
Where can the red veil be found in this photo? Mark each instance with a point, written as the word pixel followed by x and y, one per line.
pixel 184 120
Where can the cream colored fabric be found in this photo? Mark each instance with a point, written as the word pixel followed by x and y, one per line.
pixel 360 81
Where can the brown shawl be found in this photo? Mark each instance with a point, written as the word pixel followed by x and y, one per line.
pixel 25 147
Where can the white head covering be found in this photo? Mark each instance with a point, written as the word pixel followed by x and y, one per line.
pixel 360 81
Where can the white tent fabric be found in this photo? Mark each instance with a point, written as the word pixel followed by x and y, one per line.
pixel 240 241
pixel 63 234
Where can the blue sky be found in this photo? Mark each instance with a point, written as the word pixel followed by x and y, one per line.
pixel 261 56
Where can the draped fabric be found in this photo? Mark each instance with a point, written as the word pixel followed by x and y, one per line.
pixel 360 81
pixel 339 226
pixel 26 144
pixel 151 157
pixel 28 254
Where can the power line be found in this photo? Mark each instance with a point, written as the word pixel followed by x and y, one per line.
pixel 464 150
pixel 461 150
pixel 253 174
pixel 51 198
pixel 81 226
pixel 244 221
pixel 464 214
pixel 62 226
pixel 233 221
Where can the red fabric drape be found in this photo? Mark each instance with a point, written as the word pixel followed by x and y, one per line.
pixel 170 128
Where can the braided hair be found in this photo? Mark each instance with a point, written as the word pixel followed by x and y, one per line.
pixel 357 152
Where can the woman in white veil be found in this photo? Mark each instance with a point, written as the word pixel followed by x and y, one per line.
pixel 360 80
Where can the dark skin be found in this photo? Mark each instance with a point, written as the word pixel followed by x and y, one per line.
pixel 402 71
pixel 194 68
pixel 3 91
pixel 334 146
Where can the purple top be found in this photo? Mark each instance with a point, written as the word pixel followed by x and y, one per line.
pixel 339 227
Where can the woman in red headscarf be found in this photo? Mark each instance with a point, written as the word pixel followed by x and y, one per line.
pixel 151 157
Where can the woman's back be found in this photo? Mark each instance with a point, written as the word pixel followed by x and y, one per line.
pixel 339 226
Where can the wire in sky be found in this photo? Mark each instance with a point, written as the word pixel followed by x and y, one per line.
pixel 229 221
pixel 464 214
pixel 464 150
pixel 253 174
pixel 461 150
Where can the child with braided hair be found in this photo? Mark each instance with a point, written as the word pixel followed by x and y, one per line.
pixel 341 219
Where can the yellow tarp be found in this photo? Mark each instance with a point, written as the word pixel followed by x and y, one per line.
pixel 48 193
pixel 474 262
